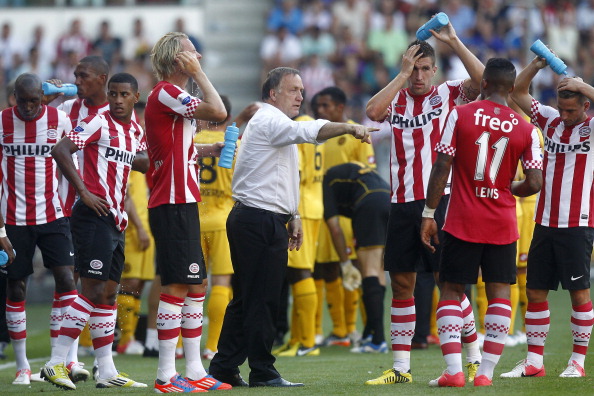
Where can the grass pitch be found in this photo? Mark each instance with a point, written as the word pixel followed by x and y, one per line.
pixel 336 371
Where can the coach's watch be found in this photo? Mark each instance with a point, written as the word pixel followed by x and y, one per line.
pixel 295 217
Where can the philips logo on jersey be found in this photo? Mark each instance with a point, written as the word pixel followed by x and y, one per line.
pixel 114 154
pixel 494 123
pixel 28 149
pixel 401 122
pixel 553 147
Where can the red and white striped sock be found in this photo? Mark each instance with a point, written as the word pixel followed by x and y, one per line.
pixel 191 331
pixel 101 327
pixel 582 319
pixel 469 336
pixel 73 322
pixel 538 322
pixel 16 321
pixel 402 329
pixel 449 328
pixel 60 302
pixel 169 317
pixel 497 321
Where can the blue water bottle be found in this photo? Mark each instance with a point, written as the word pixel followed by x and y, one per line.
pixel 437 22
pixel 50 89
pixel 554 62
pixel 4 257
pixel 228 152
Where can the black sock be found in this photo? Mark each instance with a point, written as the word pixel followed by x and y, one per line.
pixel 373 299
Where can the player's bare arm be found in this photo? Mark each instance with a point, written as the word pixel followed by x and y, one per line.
pixel 377 107
pixel 530 185
pixel 473 65
pixel 521 94
pixel 141 162
pixel 576 84
pixel 209 150
pixel 211 108
pixel 62 153
pixel 437 183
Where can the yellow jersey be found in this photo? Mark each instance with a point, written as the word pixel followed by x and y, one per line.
pixel 138 193
pixel 311 175
pixel 346 148
pixel 215 186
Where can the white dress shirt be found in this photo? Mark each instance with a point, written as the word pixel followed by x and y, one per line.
pixel 267 167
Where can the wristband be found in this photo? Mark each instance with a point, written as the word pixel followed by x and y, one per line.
pixel 428 212
pixel 295 217
pixel 3 232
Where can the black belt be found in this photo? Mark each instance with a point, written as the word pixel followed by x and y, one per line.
pixel 284 217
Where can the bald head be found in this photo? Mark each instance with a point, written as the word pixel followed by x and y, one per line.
pixel 27 81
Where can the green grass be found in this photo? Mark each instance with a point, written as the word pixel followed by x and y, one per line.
pixel 338 372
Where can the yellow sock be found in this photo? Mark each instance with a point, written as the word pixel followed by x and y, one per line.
pixel 523 298
pixel 320 309
pixel 351 302
pixel 180 344
pixel 481 304
pixel 127 317
pixel 335 299
pixel 217 304
pixel 433 318
pixel 514 298
pixel 304 305
pixel 85 339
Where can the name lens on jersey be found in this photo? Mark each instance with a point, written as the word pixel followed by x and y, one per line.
pixel 401 122
pixel 486 192
pixel 116 155
pixel 27 149
pixel 494 123
pixel 554 147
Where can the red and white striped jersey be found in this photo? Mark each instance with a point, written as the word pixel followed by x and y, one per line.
pixel 30 186
pixel 486 140
pixel 77 110
pixel 109 148
pixel 170 129
pixel 566 197
pixel 416 123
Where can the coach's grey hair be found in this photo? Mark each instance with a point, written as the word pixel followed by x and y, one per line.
pixel 274 78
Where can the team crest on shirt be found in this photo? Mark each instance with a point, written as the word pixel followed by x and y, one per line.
pixel 186 100
pixel 497 111
pixel 52 133
pixel 435 101
pixel 194 268
pixel 584 131
pixel 96 264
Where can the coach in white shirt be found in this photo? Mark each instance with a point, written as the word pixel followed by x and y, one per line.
pixel 264 223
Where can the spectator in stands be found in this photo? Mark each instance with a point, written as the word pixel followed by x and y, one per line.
pixel 73 41
pixel 287 13
pixel 280 48
pixel 9 46
pixel 137 44
pixel 46 50
pixel 317 15
pixel 353 14
pixel 108 47
pixel 318 42
pixel 180 27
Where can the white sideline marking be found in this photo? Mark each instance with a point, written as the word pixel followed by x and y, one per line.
pixel 13 364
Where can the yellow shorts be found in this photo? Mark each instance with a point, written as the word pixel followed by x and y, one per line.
pixel 138 264
pixel 526 228
pixel 217 256
pixel 305 257
pixel 326 252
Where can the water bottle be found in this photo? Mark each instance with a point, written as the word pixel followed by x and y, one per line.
pixel 228 152
pixel 4 257
pixel 554 62
pixel 50 89
pixel 437 22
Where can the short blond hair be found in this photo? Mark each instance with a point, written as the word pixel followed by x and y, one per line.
pixel 164 53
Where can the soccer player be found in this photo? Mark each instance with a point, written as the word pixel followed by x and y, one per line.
pixel 359 193
pixel 112 144
pixel 342 301
pixel 32 210
pixel 171 115
pixel 561 246
pixel 139 253
pixel 301 262
pixel 417 114
pixel 482 142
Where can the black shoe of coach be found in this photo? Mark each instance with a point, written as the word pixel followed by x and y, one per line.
pixel 279 382
pixel 233 379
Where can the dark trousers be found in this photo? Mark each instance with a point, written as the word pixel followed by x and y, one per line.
pixel 4 337
pixel 258 241
pixel 423 304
